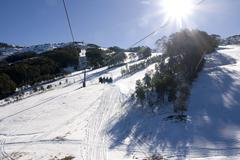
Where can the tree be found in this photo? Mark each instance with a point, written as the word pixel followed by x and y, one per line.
pixel 160 86
pixel 20 56
pixel 181 102
pixel 95 57
pixel 116 49
pixel 7 86
pixel 92 46
pixel 176 68
pixel 140 92
pixel 123 71
pixel 114 56
pixel 171 87
pixel 216 39
pixel 64 57
pixel 185 49
pixel 132 56
pixel 161 44
pixel 147 80
pixel 134 49
pixel 5 45
pixel 144 52
pixel 30 71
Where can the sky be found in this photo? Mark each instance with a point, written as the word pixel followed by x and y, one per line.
pixel 107 22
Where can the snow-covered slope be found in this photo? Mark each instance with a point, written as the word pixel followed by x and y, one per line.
pixel 100 122
pixel 231 40
pixel 66 121
pixel 34 48
pixel 215 105
pixel 212 130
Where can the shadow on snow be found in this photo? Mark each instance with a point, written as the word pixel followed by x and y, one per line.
pixel 214 109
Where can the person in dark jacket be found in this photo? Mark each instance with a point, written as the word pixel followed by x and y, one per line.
pixel 100 80
pixel 107 80
pixel 103 80
pixel 110 80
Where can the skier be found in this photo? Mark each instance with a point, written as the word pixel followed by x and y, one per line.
pixel 110 80
pixel 107 80
pixel 103 80
pixel 100 80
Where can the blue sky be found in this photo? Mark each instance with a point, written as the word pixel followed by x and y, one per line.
pixel 106 22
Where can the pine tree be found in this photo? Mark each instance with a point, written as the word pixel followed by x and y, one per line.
pixel 147 80
pixel 7 86
pixel 181 102
pixel 140 92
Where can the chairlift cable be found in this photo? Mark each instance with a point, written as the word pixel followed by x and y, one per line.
pixel 68 19
pixel 152 33
pixel 72 35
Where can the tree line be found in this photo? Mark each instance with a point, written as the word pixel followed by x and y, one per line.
pixel 183 58
pixel 29 68
pixel 131 69
pixel 98 57
pixel 112 56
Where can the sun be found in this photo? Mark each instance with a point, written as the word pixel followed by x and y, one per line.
pixel 177 10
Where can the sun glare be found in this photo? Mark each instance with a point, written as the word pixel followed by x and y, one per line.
pixel 177 10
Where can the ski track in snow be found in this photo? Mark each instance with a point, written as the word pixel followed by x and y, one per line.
pixel 95 133
pixel 96 123
pixel 4 154
pixel 98 113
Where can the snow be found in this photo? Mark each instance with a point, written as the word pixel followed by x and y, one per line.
pixel 212 130
pixel 127 84
pixel 214 104
pixel 100 122
pixel 231 40
pixel 131 56
pixel 68 120
pixel 34 48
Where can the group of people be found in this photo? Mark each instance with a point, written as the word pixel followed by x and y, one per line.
pixel 105 80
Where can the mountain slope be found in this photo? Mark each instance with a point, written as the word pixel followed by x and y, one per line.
pixel 231 40
pixel 100 122
pixel 215 104
pixel 212 129
pixel 68 118
pixel 7 50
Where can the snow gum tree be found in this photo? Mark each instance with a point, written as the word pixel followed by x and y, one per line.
pixel 183 58
pixel 140 91
pixel 7 86
pixel 147 80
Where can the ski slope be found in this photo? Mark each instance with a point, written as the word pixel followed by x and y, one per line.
pixel 66 121
pixel 215 106
pixel 99 122
pixel 212 130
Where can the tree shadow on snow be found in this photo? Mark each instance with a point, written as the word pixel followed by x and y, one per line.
pixel 214 109
pixel 141 131
pixel 217 59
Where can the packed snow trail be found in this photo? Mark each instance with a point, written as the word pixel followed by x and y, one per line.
pixel 65 121
pixel 97 123
pixel 75 119
pixel 97 148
